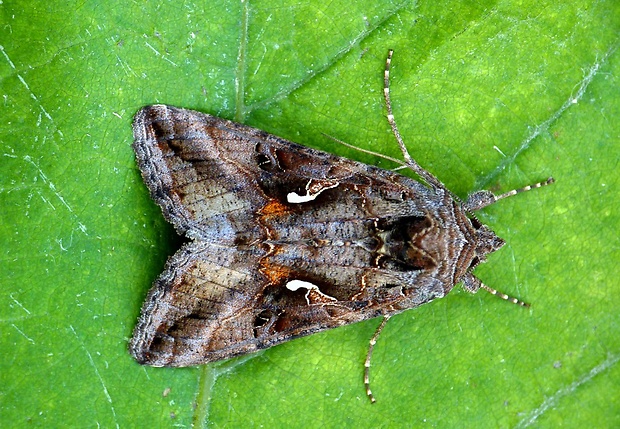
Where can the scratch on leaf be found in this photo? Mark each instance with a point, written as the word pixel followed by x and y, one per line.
pixel 543 128
pixel 552 401
pixel 92 363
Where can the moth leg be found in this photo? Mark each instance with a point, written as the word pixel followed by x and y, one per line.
pixel 425 175
pixel 472 283
pixel 371 347
pixel 481 199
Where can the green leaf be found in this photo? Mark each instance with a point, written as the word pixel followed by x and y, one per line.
pixel 488 95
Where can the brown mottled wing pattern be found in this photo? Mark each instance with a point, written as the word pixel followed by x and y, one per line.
pixel 286 240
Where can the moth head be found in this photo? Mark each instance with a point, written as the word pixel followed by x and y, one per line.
pixel 486 242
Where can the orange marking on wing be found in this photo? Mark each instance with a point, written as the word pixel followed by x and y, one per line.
pixel 273 208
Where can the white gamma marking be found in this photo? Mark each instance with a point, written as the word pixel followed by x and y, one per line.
pixel 295 285
pixel 295 198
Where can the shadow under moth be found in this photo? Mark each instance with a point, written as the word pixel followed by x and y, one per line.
pixel 286 241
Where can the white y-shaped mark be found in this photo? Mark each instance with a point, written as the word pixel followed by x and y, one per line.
pixel 298 284
pixel 313 190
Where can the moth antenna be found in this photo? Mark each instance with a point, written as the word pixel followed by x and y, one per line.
pixel 369 152
pixel 549 181
pixel 481 199
pixel 504 296
pixel 371 347
pixel 428 177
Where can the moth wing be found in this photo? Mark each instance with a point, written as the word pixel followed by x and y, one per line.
pixel 211 176
pixel 210 303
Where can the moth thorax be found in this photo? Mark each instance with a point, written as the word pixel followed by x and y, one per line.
pixel 406 243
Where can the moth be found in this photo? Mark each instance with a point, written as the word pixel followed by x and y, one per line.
pixel 286 241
